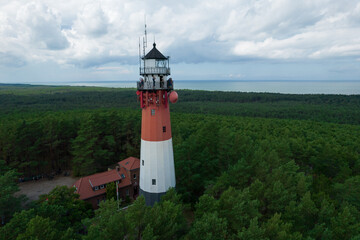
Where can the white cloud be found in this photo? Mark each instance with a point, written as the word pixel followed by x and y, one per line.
pixel 94 33
pixel 92 21
pixel 40 26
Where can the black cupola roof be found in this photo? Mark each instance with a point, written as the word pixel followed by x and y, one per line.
pixel 155 54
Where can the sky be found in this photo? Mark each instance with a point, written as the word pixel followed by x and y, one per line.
pixel 49 41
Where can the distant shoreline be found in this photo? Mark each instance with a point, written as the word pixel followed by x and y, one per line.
pixel 345 87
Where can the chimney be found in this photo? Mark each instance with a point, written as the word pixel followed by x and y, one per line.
pixel 118 168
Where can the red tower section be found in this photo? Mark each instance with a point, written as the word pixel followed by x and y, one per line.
pixel 155 124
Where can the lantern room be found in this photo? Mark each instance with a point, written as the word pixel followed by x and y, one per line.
pixel 154 69
pixel 155 63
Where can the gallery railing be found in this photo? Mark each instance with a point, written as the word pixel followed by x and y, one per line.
pixel 155 70
pixel 155 85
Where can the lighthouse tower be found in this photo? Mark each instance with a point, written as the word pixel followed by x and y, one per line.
pixel 155 90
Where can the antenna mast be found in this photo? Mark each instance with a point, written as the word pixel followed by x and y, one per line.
pixel 144 45
pixel 145 34
pixel 139 55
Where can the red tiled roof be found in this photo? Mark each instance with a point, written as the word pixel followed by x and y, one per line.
pixel 130 163
pixel 104 177
pixel 85 190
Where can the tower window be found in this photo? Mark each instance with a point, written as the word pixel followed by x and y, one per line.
pixel 143 162
pixel 164 128
pixel 134 176
pixel 154 182
pixel 152 112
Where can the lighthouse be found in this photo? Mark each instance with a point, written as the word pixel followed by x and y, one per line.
pixel 155 91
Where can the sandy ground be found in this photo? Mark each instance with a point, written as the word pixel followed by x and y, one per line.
pixel 33 189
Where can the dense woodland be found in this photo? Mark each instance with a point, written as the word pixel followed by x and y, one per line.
pixel 248 165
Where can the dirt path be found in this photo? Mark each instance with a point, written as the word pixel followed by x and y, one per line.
pixel 33 189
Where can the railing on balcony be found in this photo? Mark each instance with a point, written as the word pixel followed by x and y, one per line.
pixel 155 70
pixel 150 85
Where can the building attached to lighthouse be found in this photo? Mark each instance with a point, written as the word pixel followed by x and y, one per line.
pixel 155 90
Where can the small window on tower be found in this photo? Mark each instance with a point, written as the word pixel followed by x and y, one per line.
pixel 152 112
pixel 164 128
pixel 154 182
pixel 143 162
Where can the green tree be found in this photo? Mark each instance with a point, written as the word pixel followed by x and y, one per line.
pixel 93 147
pixel 111 191
pixel 108 223
pixel 135 217
pixel 238 208
pixel 148 233
pixel 167 220
pixel 16 225
pixel 346 224
pixel 71 209
pixel 253 232
pixel 39 228
pixel 206 204
pixel 276 228
pixel 8 202
pixel 209 227
pixel 349 191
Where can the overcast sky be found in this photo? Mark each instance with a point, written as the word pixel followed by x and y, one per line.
pixel 82 40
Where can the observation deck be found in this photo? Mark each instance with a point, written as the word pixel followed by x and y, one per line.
pixel 154 70
pixel 155 85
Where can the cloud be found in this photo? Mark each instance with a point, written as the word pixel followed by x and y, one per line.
pixel 88 34
pixel 41 27
pixel 92 21
pixel 96 61
pixel 11 60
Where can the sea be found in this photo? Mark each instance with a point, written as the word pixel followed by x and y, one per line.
pixel 345 87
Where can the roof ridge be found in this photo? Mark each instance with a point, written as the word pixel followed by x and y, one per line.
pixel 103 173
pixel 154 54
pixel 80 180
pixel 132 164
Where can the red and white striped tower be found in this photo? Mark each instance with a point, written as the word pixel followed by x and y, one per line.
pixel 155 90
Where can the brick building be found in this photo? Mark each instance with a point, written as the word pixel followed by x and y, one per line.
pixel 93 188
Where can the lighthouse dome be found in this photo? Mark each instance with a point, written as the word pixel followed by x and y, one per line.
pixel 155 54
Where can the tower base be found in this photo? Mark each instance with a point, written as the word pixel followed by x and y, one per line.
pixel 151 198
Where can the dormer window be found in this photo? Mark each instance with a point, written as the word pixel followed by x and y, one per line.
pixel 122 176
